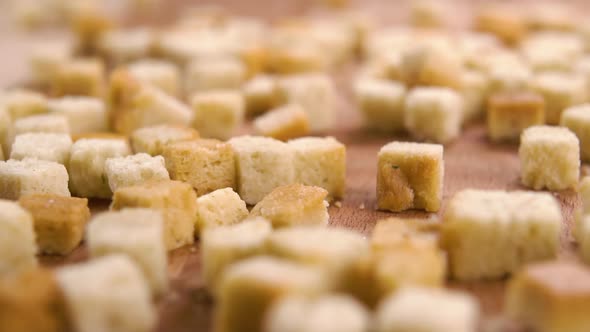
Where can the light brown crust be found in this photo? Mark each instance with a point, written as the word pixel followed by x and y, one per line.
pixel 394 192
pixel 289 200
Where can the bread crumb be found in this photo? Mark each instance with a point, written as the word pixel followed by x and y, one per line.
pixel 362 206
pixel 338 204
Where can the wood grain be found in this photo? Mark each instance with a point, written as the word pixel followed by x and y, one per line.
pixel 470 162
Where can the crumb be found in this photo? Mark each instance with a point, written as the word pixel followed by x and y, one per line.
pixel 338 204
pixel 362 206
pixel 193 249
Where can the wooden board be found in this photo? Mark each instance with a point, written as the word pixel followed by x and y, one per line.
pixel 470 162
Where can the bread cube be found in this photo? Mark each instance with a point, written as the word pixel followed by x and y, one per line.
pixel 176 201
pixel 107 294
pixel 560 91
pixel 297 57
pixel 326 313
pixel 206 164
pixel 137 233
pixel 320 162
pixel 84 114
pixel 88 22
pixel 218 114
pixel 427 309
pixel 335 251
pixel 124 45
pixel 45 59
pixel 294 205
pixel 161 74
pixel 135 105
pixel 382 103
pixel 32 176
pixel 42 146
pixel 262 164
pixel 22 103
pixel 80 77
pixel 50 123
pixel 509 78
pixel 551 297
pixel 17 235
pixel 410 176
pixel 427 14
pixel 227 244
pixel 152 140
pixel 32 301
pixel 475 94
pixel 316 93
pixel 577 119
pixel 134 169
pixel 261 94
pixel 509 114
pixel 283 123
pixel 431 65
pixel 214 74
pixel 220 207
pixel 549 158
pixel 59 221
pixel 504 229
pixel 249 288
pixel 393 234
pixel 87 165
pixel 434 114
pixel 504 22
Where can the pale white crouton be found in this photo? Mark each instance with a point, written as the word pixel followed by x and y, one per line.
pixel 84 114
pixel 42 146
pixel 135 169
pixel 17 239
pixel 32 176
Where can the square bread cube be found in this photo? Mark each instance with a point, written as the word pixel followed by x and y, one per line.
pixel 502 21
pixel 249 288
pixel 218 114
pixel 46 57
pixel 577 119
pixel 206 164
pixel 59 221
pixel 135 104
pixel 283 123
pixel 410 176
pixel 159 73
pixel 335 251
pixel 434 114
pixel 509 77
pixel 80 77
pixel 428 309
pixel 152 140
pixel 42 146
pixel 45 123
pixel 382 103
pixel 176 201
pixel 17 239
pixel 262 164
pixel 137 233
pixel 320 162
pixel 300 57
pixel 294 205
pixel 107 294
pixel 227 244
pixel 326 313
pixel 506 230
pixel 475 94
pixel 214 74
pixel 510 113
pixel 549 158
pixel 124 45
pixel 393 234
pixel 22 103
pixel 551 297
pixel 220 207
pixel 316 93
pixel 84 114
pixel 32 301
pixel 87 165
pixel 134 169
pixel 560 91
pixel 431 65
pixel 261 93
pixel 32 176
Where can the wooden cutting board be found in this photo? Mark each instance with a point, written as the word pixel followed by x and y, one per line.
pixel 470 162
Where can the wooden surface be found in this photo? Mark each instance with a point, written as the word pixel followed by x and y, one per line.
pixel 470 162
